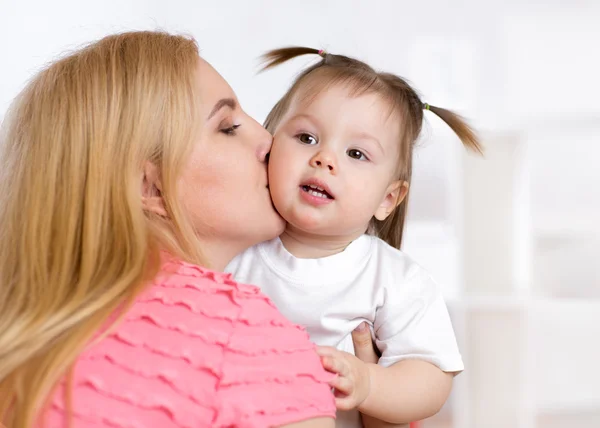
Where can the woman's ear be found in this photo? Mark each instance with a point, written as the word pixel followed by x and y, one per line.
pixel 394 195
pixel 152 198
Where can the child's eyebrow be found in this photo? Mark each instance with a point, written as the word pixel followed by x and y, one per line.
pixel 366 136
pixel 306 116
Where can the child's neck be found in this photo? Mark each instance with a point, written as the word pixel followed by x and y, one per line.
pixel 309 246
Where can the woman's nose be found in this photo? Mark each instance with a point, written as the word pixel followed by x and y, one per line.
pixel 265 141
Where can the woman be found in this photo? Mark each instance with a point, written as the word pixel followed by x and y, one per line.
pixel 127 166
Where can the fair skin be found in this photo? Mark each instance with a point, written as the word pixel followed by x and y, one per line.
pixel 227 167
pixel 333 167
pixel 364 348
pixel 355 160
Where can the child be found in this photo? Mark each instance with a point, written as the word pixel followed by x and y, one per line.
pixel 339 173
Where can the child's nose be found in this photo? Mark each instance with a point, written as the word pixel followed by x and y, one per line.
pixel 324 160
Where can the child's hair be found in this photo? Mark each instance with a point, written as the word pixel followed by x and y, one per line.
pixel 360 79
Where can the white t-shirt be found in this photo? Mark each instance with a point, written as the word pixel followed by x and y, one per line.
pixel 368 281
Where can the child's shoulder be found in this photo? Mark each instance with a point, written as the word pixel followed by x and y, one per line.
pixel 396 261
pixel 250 256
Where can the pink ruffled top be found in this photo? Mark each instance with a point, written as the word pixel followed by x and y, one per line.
pixel 197 350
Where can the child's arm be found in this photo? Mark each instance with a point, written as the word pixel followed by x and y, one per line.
pixel 407 391
pixel 365 350
pixel 371 422
pixel 419 355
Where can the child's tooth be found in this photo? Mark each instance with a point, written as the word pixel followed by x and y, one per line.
pixel 317 194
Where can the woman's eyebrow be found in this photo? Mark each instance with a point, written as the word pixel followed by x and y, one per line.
pixel 224 102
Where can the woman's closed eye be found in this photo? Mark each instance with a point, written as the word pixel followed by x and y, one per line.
pixel 229 130
pixel 357 154
pixel 306 138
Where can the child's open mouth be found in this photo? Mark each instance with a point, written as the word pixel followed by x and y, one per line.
pixel 316 191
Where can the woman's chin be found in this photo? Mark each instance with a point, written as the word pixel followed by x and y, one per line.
pixel 280 221
pixel 274 226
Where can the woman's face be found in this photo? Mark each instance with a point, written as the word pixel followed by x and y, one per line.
pixel 224 185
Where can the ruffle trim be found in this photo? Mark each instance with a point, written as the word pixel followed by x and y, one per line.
pixel 213 368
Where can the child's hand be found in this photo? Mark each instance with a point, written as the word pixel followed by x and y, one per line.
pixel 352 383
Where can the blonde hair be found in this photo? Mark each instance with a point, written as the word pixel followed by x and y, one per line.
pixel 76 241
pixel 361 78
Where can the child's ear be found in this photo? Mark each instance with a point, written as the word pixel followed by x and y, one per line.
pixel 152 199
pixel 394 195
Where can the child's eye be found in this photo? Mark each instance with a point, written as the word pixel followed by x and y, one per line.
pixel 357 154
pixel 307 138
pixel 230 130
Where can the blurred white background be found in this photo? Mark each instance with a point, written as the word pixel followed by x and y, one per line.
pixel 514 238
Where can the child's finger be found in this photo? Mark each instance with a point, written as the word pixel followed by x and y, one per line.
pixel 328 364
pixel 342 384
pixel 326 351
pixel 335 365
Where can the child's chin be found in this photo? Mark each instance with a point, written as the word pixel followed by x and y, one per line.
pixel 308 224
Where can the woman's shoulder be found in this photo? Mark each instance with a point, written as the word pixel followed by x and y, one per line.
pixel 175 273
pixel 201 344
pixel 215 295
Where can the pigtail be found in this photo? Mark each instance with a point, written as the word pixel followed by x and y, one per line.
pixel 276 57
pixel 460 127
